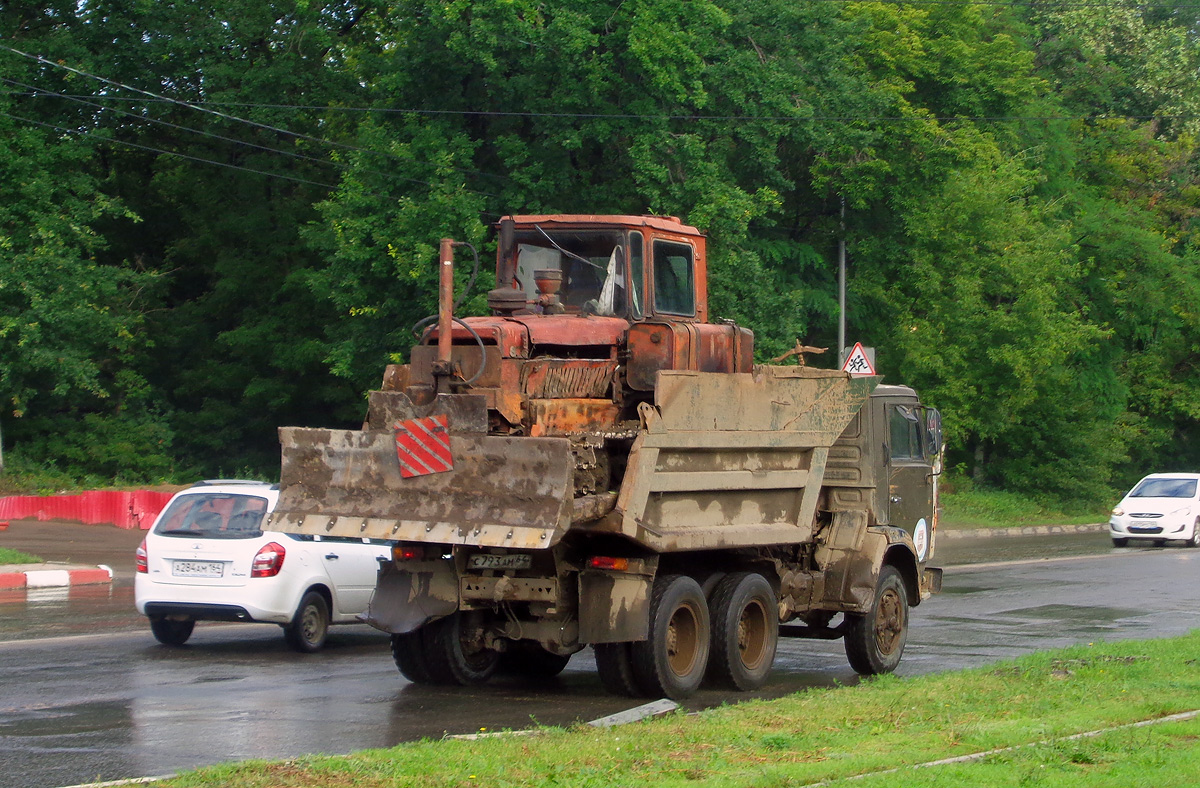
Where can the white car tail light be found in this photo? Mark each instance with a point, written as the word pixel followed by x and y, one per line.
pixel 268 561
pixel 141 560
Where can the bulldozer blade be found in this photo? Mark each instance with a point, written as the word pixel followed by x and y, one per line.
pixel 501 492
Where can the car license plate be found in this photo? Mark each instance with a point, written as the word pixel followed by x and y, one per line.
pixel 509 561
pixel 198 569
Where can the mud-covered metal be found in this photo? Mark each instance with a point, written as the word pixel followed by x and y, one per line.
pixel 405 599
pixel 614 606
pixel 733 460
pixel 502 492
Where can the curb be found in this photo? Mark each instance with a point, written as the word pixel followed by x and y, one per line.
pixel 1028 530
pixel 55 578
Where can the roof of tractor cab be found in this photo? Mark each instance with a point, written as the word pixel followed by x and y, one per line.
pixel 670 224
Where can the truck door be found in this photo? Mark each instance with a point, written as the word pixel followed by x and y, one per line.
pixel 910 472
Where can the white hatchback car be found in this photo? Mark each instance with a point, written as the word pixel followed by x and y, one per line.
pixel 207 559
pixel 1161 506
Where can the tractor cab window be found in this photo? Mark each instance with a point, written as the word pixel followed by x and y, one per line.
pixel 591 264
pixel 636 296
pixel 904 428
pixel 674 278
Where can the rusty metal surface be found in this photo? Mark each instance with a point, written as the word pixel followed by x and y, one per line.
pixel 515 334
pixel 466 413
pixel 666 223
pixel 503 492
pixel 572 416
pixel 734 459
pixel 554 378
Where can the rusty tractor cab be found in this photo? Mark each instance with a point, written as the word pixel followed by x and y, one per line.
pixel 595 464
pixel 589 309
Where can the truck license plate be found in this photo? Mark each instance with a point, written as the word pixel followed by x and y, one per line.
pixel 510 561
pixel 197 569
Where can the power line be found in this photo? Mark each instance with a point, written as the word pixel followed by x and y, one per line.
pixel 80 132
pixel 226 116
pixel 146 118
pixel 729 118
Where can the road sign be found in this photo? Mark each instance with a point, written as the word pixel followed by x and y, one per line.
pixel 857 363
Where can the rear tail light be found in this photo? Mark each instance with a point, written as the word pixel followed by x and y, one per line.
pixel 141 561
pixel 408 552
pixel 268 561
pixel 606 562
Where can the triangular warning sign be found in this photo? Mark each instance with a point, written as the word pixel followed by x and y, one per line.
pixel 857 362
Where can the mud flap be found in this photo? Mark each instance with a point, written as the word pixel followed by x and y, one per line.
pixel 405 600
pixel 613 607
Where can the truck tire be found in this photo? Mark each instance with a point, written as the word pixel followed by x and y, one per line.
pixel 529 658
pixel 451 659
pixel 408 652
pixel 310 625
pixel 172 633
pixel 745 631
pixel 615 666
pixel 875 639
pixel 672 660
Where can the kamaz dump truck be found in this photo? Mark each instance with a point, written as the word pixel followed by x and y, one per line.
pixel 596 464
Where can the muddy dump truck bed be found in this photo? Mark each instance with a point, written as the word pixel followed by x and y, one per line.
pixel 721 460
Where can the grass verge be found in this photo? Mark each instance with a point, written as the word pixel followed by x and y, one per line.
pixel 8 556
pixel 836 735
pixel 966 507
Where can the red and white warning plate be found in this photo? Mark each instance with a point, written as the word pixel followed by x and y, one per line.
pixel 423 446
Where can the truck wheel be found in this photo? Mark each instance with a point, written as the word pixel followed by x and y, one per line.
pixel 453 656
pixel 745 631
pixel 615 665
pixel 875 640
pixel 310 625
pixel 530 658
pixel 672 660
pixel 408 652
pixel 171 633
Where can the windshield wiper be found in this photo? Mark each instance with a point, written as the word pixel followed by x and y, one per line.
pixel 572 255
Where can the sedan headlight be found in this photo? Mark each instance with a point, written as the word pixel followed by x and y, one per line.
pixel 1182 512
pixel 1118 511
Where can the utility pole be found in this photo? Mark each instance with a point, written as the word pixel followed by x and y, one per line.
pixel 841 339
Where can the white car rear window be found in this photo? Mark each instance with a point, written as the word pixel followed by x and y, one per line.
pixel 214 515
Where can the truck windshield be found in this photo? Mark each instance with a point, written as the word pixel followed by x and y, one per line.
pixel 592 266
pixel 1165 488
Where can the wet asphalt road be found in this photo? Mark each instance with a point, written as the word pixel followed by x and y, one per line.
pixel 87 694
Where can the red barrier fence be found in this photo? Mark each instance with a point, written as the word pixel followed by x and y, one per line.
pixel 133 509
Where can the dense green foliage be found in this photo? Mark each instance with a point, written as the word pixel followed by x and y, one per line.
pixel 219 217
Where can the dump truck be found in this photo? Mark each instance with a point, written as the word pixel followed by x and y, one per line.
pixel 597 464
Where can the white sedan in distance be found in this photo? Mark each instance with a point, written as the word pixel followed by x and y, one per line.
pixel 1161 507
pixel 207 559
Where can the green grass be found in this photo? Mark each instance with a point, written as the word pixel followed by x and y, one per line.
pixel 835 735
pixel 964 506
pixel 25 477
pixel 8 556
